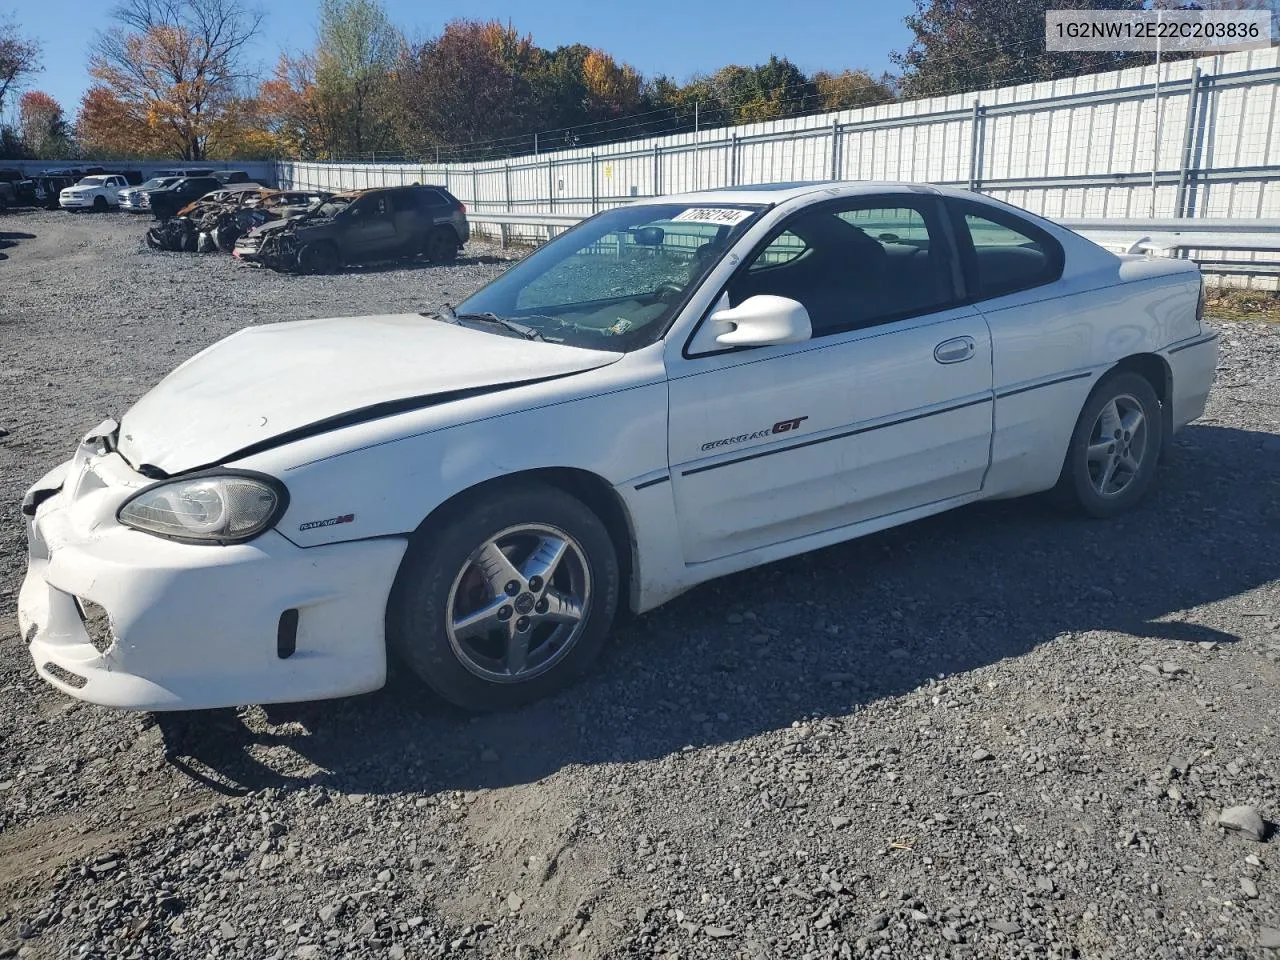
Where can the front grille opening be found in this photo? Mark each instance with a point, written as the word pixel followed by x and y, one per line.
pixel 64 676
pixel 97 624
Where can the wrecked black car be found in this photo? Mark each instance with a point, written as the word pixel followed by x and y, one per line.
pixel 218 219
pixel 362 227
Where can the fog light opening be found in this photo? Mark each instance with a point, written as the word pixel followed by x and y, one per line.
pixel 287 634
pixel 97 624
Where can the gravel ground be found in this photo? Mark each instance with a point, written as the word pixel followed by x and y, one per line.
pixel 996 733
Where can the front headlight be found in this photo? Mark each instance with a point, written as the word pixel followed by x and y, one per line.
pixel 225 507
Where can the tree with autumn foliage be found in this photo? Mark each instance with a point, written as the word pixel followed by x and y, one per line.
pixel 169 80
pixel 43 126
pixel 292 109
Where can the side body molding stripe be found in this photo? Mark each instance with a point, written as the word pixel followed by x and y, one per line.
pixel 837 436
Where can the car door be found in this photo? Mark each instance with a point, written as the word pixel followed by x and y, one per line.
pixel 372 229
pixel 1044 339
pixel 887 408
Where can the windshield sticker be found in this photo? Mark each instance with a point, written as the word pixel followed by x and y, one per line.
pixel 728 216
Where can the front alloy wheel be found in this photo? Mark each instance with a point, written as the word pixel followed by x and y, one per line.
pixel 517 605
pixel 506 596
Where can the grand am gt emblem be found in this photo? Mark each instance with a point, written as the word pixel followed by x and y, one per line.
pixel 782 426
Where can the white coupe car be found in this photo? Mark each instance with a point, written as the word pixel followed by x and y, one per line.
pixel 672 391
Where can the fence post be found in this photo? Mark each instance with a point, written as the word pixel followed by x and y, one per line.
pixel 475 194
pixel 835 149
pixel 733 160
pixel 1188 143
pixel 506 186
pixel 551 187
pixel 657 170
pixel 975 141
pixel 595 193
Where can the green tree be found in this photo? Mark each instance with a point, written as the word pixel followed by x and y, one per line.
pixel 851 88
pixel 470 85
pixel 963 45
pixel 354 62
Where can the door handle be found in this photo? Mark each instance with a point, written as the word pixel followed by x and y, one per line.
pixel 954 350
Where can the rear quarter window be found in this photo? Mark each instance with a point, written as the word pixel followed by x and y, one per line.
pixel 1004 253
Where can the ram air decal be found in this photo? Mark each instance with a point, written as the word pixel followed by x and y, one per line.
pixel 331 522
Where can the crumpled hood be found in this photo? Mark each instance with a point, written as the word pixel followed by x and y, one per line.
pixel 271 226
pixel 263 383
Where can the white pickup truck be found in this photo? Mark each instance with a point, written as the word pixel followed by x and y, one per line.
pixel 93 193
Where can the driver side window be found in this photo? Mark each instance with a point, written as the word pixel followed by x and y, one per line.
pixel 854 265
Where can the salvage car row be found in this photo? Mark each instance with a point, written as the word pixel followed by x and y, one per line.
pixel 293 230
pixel 307 231
pixel 96 188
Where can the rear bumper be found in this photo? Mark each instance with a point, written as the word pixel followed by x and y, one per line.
pixel 196 626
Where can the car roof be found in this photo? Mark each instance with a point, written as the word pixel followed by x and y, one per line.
pixel 774 193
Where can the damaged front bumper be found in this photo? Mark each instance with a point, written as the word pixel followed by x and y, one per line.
pixel 122 618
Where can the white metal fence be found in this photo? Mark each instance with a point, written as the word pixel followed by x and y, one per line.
pixel 1078 148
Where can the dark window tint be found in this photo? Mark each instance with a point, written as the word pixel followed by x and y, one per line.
pixel 378 205
pixel 853 265
pixel 429 199
pixel 1006 253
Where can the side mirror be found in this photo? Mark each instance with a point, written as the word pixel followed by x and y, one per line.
pixel 762 320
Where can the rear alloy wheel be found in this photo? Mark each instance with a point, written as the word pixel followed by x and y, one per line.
pixel 441 245
pixel 1111 462
pixel 507 602
pixel 99 204
pixel 318 258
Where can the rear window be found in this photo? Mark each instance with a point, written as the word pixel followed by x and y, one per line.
pixel 1003 252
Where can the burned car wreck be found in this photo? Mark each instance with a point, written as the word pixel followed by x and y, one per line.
pixel 217 220
pixel 361 227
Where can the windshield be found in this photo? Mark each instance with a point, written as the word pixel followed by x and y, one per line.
pixel 92 182
pixel 156 183
pixel 615 281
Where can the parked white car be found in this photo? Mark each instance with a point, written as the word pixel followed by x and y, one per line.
pixel 137 199
pixel 672 391
pixel 93 193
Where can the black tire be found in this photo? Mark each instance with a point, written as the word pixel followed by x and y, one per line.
pixel 441 245
pixel 440 557
pixel 319 257
pixel 225 237
pixel 100 205
pixel 1077 487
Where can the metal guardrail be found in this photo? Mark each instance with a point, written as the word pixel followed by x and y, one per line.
pixel 1168 237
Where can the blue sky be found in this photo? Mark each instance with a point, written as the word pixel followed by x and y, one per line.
pixel 676 37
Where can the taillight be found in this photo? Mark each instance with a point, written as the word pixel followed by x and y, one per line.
pixel 462 207
pixel 1200 307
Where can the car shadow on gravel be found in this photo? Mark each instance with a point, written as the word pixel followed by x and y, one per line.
pixel 10 238
pixel 817 635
